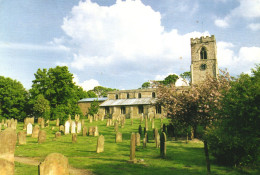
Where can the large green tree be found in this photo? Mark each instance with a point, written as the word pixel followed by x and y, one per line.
pixel 101 91
pixel 41 107
pixel 13 99
pixel 57 86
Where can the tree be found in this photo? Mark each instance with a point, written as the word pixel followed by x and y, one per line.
pixel 101 91
pixel 94 106
pixel 170 79
pixel 13 99
pixel 41 107
pixel 195 106
pixel 234 140
pixel 186 75
pixel 57 86
pixel 146 85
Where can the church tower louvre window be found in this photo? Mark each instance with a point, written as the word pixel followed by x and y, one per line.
pixel 203 53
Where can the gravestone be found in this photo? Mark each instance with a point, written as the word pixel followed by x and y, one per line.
pixel 85 130
pixel 29 129
pixel 42 123
pixel 39 120
pixel 144 142
pixel 67 127
pixel 140 130
pixel 79 127
pixel 119 137
pixel 41 136
pixel 74 138
pixel 146 123
pixel 73 127
pixel 35 132
pixel 132 148
pixel 152 123
pixel 61 129
pixel 157 140
pixel 116 127
pixel 54 164
pixel 163 145
pixel 108 122
pixel 22 138
pixel 137 139
pixel 7 144
pixel 57 122
pixel 91 131
pixel 100 144
pixel 82 122
pixel 13 125
pixel 57 134
pixel 90 119
pixel 96 133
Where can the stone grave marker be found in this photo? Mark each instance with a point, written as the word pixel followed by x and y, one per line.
pixel 67 127
pixel 96 133
pixel 22 138
pixel 74 138
pixel 163 145
pixel 137 139
pixel 119 137
pixel 73 127
pixel 35 132
pixel 146 123
pixel 42 123
pixel 85 131
pixel 7 144
pixel 100 144
pixel 29 129
pixel 132 148
pixel 91 131
pixel 54 164
pixel 58 122
pixel 79 127
pixel 57 134
pixel 41 136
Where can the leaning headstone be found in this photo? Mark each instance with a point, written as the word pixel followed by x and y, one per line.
pixel 96 133
pixel 163 145
pixel 100 144
pixel 132 148
pixel 29 129
pixel 22 138
pixel 85 131
pixel 79 127
pixel 118 137
pixel 42 136
pixel 54 164
pixel 67 127
pixel 137 139
pixel 7 144
pixel 57 134
pixel 57 122
pixel 74 138
pixel 35 132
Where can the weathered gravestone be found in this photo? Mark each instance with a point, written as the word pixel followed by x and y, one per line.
pixel 85 131
pixel 146 123
pixel 79 127
pixel 57 134
pixel 74 138
pixel 73 127
pixel 100 144
pixel 54 164
pixel 35 132
pixel 108 122
pixel 132 148
pixel 7 144
pixel 137 139
pixel 29 129
pixel 90 119
pixel 96 133
pixel 144 142
pixel 22 138
pixel 91 130
pixel 140 130
pixel 42 136
pixel 116 127
pixel 67 127
pixel 118 137
pixel 57 122
pixel 163 145
pixel 42 123
pixel 61 129
pixel 82 122
pixel 156 138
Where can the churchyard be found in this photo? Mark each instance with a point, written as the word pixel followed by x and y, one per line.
pixel 80 149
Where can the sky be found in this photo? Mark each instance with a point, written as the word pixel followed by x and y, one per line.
pixel 123 43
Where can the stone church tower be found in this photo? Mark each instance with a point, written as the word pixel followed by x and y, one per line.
pixel 203 58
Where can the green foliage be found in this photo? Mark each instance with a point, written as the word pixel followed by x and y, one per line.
pixel 13 99
pixel 94 106
pixel 101 91
pixel 41 107
pixel 235 139
pixel 57 86
pixel 170 79
pixel 186 75
pixel 146 85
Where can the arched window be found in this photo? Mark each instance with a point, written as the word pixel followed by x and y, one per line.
pixel 127 96
pixel 140 109
pixel 158 109
pixel 153 94
pixel 139 95
pixel 122 110
pixel 116 96
pixel 203 53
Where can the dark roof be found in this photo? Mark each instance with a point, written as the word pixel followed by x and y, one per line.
pixel 92 99
pixel 125 102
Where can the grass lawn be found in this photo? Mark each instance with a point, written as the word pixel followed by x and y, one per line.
pixel 181 158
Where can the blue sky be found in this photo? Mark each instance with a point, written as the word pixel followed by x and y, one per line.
pixel 121 44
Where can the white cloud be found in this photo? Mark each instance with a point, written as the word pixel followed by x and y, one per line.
pixel 162 77
pixel 87 84
pixel 127 33
pixel 254 26
pixel 246 58
pixel 248 9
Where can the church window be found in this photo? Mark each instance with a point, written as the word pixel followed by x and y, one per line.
pixel 127 96
pixel 158 109
pixel 122 109
pixel 139 95
pixel 153 94
pixel 106 110
pixel 116 96
pixel 203 53
pixel 140 109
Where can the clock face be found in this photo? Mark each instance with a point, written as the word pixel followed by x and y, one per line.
pixel 203 67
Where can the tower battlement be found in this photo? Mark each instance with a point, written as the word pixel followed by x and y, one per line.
pixel 203 39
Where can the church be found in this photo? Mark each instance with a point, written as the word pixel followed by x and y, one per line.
pixel 139 102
